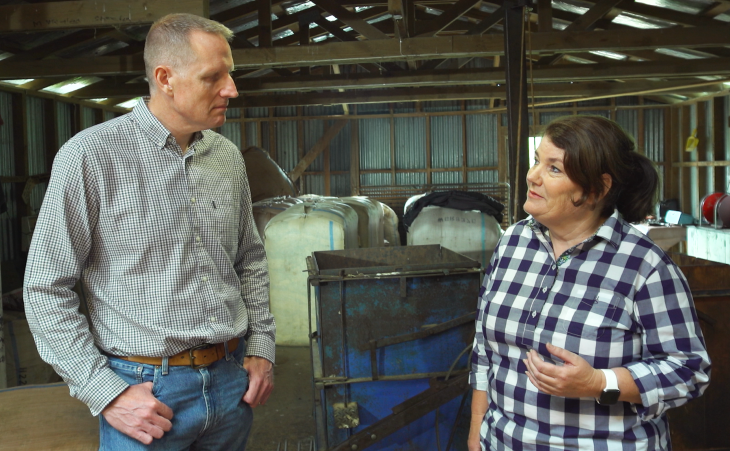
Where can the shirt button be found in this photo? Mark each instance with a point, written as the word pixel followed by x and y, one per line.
pixel 544 289
pixel 204 279
pixel 197 238
pixel 534 314
pixel 553 266
pixel 212 319
pixel 192 200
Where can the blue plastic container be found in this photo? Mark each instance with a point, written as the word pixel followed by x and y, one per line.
pixel 390 323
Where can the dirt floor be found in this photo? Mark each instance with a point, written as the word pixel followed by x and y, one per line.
pixel 286 422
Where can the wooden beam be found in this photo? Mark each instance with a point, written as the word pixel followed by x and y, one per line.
pixel 447 17
pixel 264 23
pixel 485 24
pixel 544 15
pixel 392 50
pixel 585 22
pixel 351 19
pixel 323 142
pixel 575 92
pixel 559 73
pixel 92 13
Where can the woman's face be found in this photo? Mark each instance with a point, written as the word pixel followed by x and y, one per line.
pixel 551 193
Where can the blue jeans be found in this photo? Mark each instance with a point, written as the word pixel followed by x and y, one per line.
pixel 208 412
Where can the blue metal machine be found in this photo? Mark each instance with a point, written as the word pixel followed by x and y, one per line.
pixel 391 330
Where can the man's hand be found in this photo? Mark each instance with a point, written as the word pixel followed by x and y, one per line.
pixel 137 413
pixel 576 378
pixel 260 380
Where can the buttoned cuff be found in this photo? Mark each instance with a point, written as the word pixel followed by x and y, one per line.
pixel 101 390
pixel 261 345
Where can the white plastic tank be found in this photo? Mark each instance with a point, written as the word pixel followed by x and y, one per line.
pixel 390 226
pixel 370 220
pixel 471 233
pixel 266 209
pixel 291 237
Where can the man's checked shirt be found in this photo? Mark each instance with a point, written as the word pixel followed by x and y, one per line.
pixel 164 243
pixel 618 300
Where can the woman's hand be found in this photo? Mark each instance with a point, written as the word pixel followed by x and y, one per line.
pixel 575 379
pixel 479 406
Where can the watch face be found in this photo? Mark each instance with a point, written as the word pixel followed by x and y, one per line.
pixel 609 396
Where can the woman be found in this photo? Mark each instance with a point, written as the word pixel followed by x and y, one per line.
pixel 586 330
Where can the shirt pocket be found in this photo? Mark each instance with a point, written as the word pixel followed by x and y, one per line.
pixel 591 313
pixel 226 216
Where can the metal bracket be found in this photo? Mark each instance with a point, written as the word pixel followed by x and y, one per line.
pixel 433 330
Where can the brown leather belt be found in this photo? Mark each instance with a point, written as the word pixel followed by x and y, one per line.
pixel 197 357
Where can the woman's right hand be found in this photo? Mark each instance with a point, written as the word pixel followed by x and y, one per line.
pixel 479 405
pixel 474 442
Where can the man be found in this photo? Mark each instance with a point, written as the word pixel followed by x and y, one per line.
pixel 152 212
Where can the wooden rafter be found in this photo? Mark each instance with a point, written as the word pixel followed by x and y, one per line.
pixel 447 17
pixel 91 13
pixel 351 19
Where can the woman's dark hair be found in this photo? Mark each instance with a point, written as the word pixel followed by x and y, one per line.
pixel 595 146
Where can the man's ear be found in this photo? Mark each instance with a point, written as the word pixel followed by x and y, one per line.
pixel 163 79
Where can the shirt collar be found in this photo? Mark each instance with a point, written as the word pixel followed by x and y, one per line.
pixel 154 129
pixel 610 230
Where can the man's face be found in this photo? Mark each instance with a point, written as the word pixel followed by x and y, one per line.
pixel 202 88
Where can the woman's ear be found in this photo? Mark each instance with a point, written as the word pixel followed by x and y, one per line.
pixel 607 184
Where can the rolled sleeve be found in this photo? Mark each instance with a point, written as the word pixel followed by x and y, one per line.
pixel 676 366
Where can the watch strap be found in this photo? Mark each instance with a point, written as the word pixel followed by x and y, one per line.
pixel 611 380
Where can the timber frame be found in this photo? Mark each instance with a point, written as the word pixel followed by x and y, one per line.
pixel 327 52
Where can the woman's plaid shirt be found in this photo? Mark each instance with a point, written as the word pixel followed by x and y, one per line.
pixel 618 301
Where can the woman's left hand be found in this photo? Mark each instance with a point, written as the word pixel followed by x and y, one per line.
pixel 575 379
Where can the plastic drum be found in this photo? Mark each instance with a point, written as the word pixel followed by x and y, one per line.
pixel 707 206
pixel 723 210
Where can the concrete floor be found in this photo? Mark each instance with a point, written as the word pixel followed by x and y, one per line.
pixel 288 415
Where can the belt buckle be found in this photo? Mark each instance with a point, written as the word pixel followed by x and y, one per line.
pixel 192 357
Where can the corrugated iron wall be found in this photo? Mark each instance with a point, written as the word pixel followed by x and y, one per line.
pixel 9 233
pixel 37 147
pixel 440 142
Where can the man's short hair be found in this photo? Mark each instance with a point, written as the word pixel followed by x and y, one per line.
pixel 168 43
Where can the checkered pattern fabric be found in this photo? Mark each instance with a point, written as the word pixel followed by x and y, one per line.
pixel 618 301
pixel 164 243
